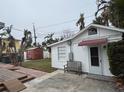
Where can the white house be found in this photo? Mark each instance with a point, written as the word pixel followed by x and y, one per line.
pixel 88 46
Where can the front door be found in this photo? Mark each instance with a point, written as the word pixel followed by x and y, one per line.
pixel 95 64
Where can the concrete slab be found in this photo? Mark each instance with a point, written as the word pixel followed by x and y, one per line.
pixel 65 82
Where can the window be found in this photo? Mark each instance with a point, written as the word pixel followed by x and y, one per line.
pixel 92 31
pixel 61 53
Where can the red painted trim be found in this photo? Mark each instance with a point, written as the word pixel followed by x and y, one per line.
pixel 93 42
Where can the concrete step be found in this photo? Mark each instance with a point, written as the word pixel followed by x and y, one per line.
pixel 101 77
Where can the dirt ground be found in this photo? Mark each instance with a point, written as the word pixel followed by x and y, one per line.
pixel 65 82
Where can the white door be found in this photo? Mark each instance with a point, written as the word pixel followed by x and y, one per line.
pixel 95 60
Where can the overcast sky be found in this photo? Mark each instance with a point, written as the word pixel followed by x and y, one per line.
pixel 22 13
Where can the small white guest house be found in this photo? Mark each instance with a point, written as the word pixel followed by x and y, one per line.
pixel 88 46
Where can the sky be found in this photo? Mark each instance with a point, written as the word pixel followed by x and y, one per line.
pixel 48 16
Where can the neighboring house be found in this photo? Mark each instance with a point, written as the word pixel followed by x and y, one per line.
pixel 88 46
pixel 17 42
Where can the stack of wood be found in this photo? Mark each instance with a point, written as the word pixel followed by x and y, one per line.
pixel 12 81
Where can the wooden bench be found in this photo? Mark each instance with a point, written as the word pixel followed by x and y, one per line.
pixel 75 66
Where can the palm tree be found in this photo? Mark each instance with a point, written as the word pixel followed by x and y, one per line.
pixel 81 22
pixel 26 40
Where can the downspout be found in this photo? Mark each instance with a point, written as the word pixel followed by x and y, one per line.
pixel 71 58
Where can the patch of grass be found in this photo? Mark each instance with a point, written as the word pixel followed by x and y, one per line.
pixel 42 65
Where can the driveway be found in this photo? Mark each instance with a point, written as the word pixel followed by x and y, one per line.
pixel 65 82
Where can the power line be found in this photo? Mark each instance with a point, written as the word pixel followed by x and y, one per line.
pixel 60 23
pixel 51 25
pixel 56 24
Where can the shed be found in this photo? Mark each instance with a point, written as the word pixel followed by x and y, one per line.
pixel 34 53
pixel 89 46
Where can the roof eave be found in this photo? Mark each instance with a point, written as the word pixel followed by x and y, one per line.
pixel 91 25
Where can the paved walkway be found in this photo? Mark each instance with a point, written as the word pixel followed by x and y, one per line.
pixel 65 82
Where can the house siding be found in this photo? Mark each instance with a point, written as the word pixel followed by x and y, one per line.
pixel 80 55
pixel 56 63
pixel 105 61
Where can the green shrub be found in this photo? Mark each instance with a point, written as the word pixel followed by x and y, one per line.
pixel 116 57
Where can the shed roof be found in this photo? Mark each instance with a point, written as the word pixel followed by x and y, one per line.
pixel 32 48
pixel 91 25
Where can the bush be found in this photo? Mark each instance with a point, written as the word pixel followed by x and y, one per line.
pixel 116 57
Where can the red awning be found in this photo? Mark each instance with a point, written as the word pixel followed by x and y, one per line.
pixel 93 42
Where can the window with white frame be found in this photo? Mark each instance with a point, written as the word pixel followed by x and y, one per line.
pixel 61 53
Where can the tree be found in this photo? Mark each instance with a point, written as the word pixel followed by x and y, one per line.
pixel 11 39
pixel 26 40
pixel 2 44
pixel 115 52
pixel 117 13
pixel 80 22
pixel 7 31
pixel 99 20
pixel 49 40
pixel 113 11
pixel 11 48
pixel 103 6
pixel 2 25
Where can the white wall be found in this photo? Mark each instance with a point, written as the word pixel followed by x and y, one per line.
pixel 105 61
pixel 112 36
pixel 81 53
pixel 101 33
pixel 56 63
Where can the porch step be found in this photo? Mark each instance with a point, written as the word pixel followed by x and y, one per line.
pixel 101 77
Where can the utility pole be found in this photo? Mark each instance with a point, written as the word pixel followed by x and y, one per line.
pixel 35 37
